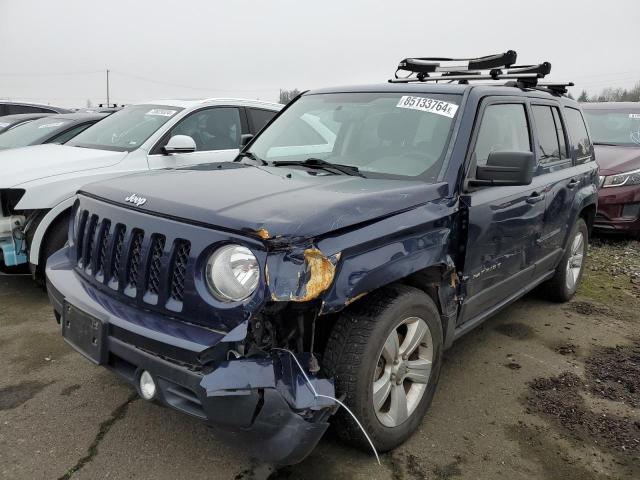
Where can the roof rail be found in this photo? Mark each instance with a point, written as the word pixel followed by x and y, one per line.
pixel 558 88
pixel 491 67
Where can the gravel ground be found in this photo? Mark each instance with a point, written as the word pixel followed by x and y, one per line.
pixel 540 391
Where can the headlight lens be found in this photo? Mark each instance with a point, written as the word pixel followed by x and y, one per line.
pixel 232 273
pixel 626 178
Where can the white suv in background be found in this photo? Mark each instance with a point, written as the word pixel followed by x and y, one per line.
pixel 38 183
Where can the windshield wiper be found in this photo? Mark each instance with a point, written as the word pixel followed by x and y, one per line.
pixel 321 164
pixel 608 144
pixel 251 156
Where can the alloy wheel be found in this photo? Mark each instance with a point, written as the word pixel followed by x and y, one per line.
pixel 576 259
pixel 402 372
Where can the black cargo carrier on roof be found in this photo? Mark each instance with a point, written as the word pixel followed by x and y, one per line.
pixel 491 67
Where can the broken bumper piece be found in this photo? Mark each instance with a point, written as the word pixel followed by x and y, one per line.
pixel 264 405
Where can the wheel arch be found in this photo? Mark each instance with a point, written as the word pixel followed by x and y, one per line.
pixel 584 206
pixel 44 226
pixel 438 281
pixel 588 214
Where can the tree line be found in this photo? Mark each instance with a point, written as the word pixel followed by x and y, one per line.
pixel 287 95
pixel 611 94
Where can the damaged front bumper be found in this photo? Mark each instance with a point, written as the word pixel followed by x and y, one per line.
pixel 263 404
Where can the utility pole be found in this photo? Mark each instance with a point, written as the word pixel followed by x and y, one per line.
pixel 108 88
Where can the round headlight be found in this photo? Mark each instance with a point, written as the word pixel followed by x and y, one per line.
pixel 232 273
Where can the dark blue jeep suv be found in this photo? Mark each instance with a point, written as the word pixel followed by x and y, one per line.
pixel 324 271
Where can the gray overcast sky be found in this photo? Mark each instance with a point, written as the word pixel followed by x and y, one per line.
pixel 57 51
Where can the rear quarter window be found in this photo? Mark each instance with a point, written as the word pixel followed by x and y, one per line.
pixel 580 141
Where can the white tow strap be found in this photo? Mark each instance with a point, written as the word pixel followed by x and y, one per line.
pixel 316 395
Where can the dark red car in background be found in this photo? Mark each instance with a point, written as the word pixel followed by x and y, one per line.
pixel 615 128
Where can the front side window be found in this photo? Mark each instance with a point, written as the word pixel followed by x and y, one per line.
pixel 549 132
pixel 383 135
pixel 615 126
pixel 212 129
pixel 125 130
pixel 503 128
pixel 33 132
pixel 580 142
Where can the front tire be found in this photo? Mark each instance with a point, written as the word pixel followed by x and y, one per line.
pixel 564 284
pixel 385 354
pixel 55 239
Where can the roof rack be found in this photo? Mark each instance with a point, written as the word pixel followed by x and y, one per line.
pixel 491 67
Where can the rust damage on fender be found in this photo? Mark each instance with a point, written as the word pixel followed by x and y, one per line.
pixel 354 299
pixel 321 273
pixel 309 272
pixel 263 233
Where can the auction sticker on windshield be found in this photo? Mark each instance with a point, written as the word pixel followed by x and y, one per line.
pixel 161 112
pixel 430 105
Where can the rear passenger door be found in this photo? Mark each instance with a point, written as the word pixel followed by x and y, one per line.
pixel 504 221
pixel 553 178
pixel 258 118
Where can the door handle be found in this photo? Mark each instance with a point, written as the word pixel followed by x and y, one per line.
pixel 535 197
pixel 573 183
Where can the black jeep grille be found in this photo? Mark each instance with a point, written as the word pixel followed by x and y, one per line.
pixel 154 270
pixel 179 269
pixel 118 245
pixel 102 252
pixel 132 261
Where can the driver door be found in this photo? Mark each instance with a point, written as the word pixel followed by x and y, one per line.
pixel 216 132
pixel 504 222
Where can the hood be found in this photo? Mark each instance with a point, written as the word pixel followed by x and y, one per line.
pixel 266 201
pixel 20 165
pixel 615 159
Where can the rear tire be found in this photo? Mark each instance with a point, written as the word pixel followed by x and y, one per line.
pixel 564 284
pixel 389 397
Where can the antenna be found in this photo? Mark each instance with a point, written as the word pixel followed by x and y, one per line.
pixel 107 86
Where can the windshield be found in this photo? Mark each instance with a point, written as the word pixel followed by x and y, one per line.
pixel 126 129
pixel 33 132
pixel 616 127
pixel 388 135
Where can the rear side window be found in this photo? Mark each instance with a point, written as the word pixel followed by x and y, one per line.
pixel 16 109
pixel 549 133
pixel 504 128
pixel 580 141
pixel 259 118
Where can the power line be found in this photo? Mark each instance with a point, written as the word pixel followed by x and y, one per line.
pixel 51 74
pixel 191 87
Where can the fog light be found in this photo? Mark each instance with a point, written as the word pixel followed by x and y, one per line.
pixel 147 386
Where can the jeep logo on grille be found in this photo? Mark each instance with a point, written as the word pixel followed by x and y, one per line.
pixel 136 200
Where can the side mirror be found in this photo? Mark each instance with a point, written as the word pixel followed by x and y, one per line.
pixel 180 144
pixel 505 168
pixel 245 138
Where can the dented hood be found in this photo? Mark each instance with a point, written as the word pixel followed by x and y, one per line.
pixel 21 165
pixel 266 201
